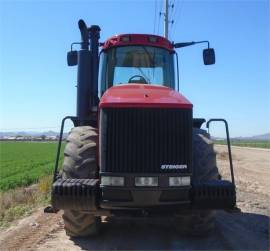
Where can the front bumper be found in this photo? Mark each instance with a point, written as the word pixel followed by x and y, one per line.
pixel 113 198
pixel 87 195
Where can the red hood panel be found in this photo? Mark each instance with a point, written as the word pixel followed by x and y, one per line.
pixel 142 95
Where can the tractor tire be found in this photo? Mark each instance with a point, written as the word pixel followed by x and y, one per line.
pixel 200 222
pixel 80 163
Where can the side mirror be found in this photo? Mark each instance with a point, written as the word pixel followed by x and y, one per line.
pixel 209 56
pixel 72 58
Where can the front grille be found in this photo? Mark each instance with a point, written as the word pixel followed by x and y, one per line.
pixel 140 140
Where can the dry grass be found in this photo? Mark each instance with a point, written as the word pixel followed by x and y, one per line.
pixel 224 155
pixel 20 202
pixel 44 185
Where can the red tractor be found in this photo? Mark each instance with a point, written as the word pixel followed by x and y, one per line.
pixel 136 148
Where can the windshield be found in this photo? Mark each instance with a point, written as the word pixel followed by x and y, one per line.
pixel 136 64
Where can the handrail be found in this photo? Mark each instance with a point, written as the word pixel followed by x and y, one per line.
pixel 228 142
pixel 73 119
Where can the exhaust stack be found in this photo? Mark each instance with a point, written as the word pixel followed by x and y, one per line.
pixel 87 76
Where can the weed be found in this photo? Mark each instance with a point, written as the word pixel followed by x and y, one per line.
pixel 19 202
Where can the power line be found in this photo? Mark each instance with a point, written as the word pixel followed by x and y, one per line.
pixel 166 19
pixel 158 22
pixel 160 12
pixel 178 11
pixel 172 4
pixel 168 8
pixel 171 21
pixel 176 6
pixel 155 16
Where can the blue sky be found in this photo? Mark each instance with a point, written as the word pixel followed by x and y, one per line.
pixel 37 88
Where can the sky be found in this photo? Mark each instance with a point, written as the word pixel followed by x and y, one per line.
pixel 37 88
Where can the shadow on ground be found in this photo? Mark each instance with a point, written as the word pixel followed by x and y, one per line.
pixel 239 231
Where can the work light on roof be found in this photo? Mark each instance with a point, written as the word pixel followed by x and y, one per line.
pixel 152 39
pixel 125 39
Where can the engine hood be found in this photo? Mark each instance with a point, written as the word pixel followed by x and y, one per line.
pixel 143 95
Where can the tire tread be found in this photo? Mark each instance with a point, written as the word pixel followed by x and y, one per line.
pixel 80 163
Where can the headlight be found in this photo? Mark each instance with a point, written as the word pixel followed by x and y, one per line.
pixel 179 181
pixel 112 181
pixel 146 181
pixel 175 181
pixel 186 181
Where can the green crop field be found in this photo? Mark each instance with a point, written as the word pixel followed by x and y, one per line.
pixel 23 163
pixel 257 144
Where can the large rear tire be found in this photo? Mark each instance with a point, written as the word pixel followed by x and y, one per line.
pixel 200 222
pixel 80 163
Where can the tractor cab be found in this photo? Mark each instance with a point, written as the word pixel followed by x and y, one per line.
pixel 136 59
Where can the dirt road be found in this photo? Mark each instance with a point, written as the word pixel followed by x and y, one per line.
pixel 248 230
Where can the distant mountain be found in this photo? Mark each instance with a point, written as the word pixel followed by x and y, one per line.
pixel 262 137
pixel 265 136
pixel 29 134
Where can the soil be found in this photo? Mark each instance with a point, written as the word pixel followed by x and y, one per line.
pixel 245 230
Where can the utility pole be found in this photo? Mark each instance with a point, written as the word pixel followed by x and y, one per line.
pixel 166 19
pixel 167 6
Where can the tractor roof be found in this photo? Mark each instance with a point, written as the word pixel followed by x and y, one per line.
pixel 138 39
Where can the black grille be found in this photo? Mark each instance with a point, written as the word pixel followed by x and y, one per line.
pixel 140 140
